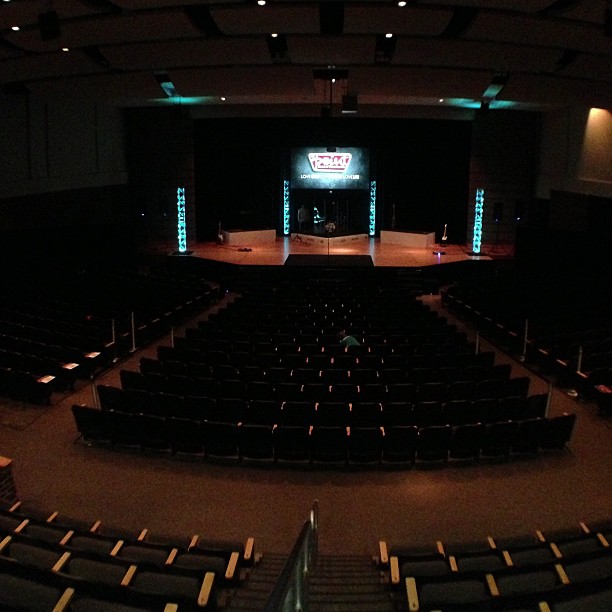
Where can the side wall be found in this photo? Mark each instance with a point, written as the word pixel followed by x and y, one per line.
pixel 503 163
pixel 63 185
pixel 576 153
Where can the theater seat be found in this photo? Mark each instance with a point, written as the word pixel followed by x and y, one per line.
pixel 558 432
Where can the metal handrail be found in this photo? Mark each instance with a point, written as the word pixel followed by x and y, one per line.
pixel 291 591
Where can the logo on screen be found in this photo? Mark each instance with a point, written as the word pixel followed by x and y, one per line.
pixel 329 162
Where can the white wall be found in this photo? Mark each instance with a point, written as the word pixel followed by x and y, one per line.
pixel 60 146
pixel 576 153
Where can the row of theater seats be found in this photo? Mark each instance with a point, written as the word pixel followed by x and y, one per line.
pixel 569 332
pixel 389 410
pixel 51 562
pixel 561 571
pixel 323 444
pixel 328 385
pixel 50 338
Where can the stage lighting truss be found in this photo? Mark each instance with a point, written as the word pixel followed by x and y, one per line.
pixel 372 207
pixel 286 206
pixel 181 223
pixel 478 210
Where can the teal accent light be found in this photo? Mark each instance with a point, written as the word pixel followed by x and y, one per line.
pixel 478 210
pixel 286 207
pixel 182 225
pixel 372 207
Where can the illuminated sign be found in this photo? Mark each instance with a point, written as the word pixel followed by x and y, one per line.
pixel 329 162
pixel 342 168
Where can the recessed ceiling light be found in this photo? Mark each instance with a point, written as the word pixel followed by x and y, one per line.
pixel 222 98
pixel 261 2
pixel 65 49
pixel 15 28
pixel 441 100
pixel 274 35
pixel 388 35
pixel 401 3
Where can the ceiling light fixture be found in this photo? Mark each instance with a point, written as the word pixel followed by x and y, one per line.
pixel 166 84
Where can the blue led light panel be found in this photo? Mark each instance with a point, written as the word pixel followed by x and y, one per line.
pixel 478 210
pixel 181 223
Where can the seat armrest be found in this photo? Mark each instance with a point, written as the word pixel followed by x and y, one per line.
pixel 204 596
pixel 412 595
pixel 383 552
pixel 230 571
pixel 63 602
pixel 249 549
pixel 394 570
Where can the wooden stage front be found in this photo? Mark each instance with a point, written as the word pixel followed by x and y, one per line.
pixel 392 255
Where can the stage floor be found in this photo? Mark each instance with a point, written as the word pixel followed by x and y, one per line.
pixel 391 255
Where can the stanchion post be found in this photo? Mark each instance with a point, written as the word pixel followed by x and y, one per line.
pixel 94 393
pixel 525 333
pixel 114 339
pixel 133 333
pixel 579 361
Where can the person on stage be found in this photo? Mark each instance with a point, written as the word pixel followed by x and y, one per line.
pixel 303 217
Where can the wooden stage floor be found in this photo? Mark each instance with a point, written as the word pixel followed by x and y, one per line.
pixel 391 255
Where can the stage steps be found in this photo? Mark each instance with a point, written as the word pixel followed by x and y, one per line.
pixel 254 592
pixel 348 584
pixel 338 584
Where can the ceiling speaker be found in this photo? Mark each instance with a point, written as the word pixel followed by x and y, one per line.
pixel 49 25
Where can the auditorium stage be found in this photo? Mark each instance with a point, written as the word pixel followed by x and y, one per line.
pixel 392 255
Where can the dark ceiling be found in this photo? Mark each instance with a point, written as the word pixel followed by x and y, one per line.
pixel 524 54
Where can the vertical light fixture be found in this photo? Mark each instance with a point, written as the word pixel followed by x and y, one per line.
pixel 181 223
pixel 478 210
pixel 286 203
pixel 372 207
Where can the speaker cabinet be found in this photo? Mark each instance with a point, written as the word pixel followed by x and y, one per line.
pixel 49 25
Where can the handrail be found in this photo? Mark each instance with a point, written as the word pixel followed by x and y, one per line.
pixel 291 591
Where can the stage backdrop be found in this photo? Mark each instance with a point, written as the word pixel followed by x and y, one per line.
pixel 421 168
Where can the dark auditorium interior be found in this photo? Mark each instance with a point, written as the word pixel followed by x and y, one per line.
pixel 199 199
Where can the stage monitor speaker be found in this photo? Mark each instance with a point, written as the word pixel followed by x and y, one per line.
pixel 49 25
pixel 498 211
pixel 349 104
